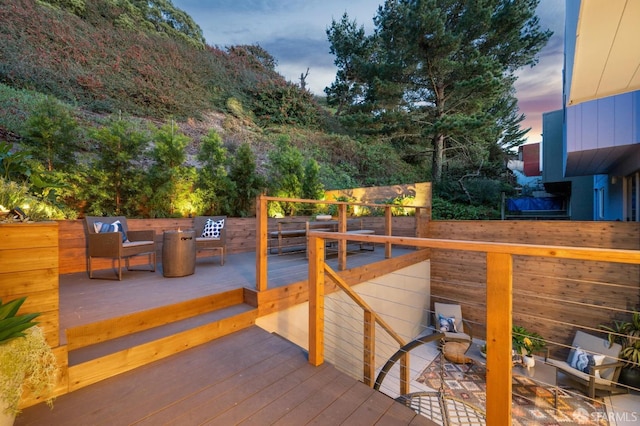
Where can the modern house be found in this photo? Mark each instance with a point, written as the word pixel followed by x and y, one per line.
pixel 591 148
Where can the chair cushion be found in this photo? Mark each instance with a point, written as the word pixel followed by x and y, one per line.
pixel 116 226
pixel 212 228
pixel 581 360
pixel 447 324
pixel 565 367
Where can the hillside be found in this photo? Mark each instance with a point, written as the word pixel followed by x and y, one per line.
pixel 109 58
pixel 147 62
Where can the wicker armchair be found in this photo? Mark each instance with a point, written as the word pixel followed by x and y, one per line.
pixel 111 244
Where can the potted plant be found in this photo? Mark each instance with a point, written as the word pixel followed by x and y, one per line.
pixel 525 343
pixel 627 334
pixel 26 360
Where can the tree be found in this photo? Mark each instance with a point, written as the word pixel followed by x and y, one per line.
pixel 286 170
pixel 312 187
pixel 214 184
pixel 170 190
pixel 247 183
pixel 117 166
pixel 50 133
pixel 440 69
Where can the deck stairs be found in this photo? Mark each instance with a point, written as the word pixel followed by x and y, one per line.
pixel 105 348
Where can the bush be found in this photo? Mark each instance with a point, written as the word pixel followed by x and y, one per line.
pixel 447 210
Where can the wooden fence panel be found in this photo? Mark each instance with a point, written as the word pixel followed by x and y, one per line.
pixel 553 297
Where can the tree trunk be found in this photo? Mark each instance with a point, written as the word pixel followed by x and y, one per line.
pixel 438 158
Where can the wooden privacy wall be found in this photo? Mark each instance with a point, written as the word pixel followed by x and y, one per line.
pixel 553 297
pixel 29 267
pixel 241 236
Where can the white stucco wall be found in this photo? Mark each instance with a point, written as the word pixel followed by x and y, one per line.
pixel 401 298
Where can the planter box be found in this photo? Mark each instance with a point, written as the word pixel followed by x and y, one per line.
pixel 29 267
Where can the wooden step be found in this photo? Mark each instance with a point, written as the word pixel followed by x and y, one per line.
pixel 106 348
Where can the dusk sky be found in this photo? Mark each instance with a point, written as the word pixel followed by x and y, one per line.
pixel 294 33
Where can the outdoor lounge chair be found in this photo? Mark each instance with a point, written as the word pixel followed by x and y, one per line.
pixel 600 369
pixel 448 320
pixel 105 238
pixel 215 237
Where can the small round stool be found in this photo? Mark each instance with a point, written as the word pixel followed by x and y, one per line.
pixel 455 352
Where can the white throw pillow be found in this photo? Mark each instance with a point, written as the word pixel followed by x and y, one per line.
pixel 212 228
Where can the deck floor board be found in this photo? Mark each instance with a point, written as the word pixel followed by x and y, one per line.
pixel 248 377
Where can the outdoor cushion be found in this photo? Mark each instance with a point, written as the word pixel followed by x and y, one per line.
pixel 212 228
pixel 116 226
pixel 447 324
pixel 581 360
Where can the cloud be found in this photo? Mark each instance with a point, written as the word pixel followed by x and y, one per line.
pixel 294 33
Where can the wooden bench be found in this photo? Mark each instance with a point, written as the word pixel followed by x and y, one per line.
pixel 355 226
pixel 291 236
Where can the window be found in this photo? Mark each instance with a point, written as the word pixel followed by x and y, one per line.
pixel 600 207
pixel 631 202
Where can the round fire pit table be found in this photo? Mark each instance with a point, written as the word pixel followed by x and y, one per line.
pixel 178 253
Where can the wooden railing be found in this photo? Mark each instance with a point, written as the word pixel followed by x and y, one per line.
pixel 371 318
pixel 422 215
pixel 499 299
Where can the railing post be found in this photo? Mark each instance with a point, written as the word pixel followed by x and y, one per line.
pixel 499 321
pixel 261 243
pixel 387 230
pixel 421 222
pixel 369 347
pixel 315 248
pixel 342 244
pixel 405 375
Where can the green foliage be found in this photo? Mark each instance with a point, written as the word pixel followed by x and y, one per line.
pixel 170 182
pixel 247 184
pixel 144 58
pixel 12 326
pixel 277 102
pixel 333 208
pixel 448 210
pixel 312 188
pixel 115 172
pixel 436 75
pixel 627 334
pixel 16 105
pixel 214 186
pixel 286 172
pixel 404 200
pixel 50 133
pixel 14 194
pixel 526 342
pixel 76 7
pixel 14 165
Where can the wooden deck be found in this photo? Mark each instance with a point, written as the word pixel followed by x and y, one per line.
pixel 84 300
pixel 251 377
pixel 248 377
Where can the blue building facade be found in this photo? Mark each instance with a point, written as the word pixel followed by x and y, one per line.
pixel 591 149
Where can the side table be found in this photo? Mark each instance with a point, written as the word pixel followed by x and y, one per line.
pixel 178 253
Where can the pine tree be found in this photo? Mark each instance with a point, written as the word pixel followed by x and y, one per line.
pixel 440 69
